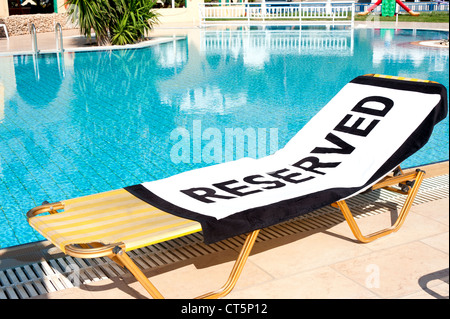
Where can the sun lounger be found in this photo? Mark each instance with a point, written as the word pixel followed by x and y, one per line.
pixel 354 144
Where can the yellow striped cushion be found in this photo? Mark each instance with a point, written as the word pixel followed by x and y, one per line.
pixel 399 78
pixel 111 217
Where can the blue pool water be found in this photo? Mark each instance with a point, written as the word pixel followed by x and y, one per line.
pixel 87 122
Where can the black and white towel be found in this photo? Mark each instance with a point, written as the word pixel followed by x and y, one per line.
pixel 362 134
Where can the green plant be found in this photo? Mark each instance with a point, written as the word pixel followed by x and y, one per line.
pixel 90 15
pixel 113 21
pixel 131 20
pixel 433 16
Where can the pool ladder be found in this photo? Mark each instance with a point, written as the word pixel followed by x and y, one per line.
pixel 59 49
pixel 34 49
pixel 58 38
pixel 34 46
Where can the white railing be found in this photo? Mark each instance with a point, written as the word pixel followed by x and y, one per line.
pixel 415 6
pixel 295 11
pixel 426 6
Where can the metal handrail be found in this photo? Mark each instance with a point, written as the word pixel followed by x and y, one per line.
pixel 59 37
pixel 34 46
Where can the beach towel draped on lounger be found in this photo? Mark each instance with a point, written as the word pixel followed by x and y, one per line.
pixel 361 135
pixel 364 133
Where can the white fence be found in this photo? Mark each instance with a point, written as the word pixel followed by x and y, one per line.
pixel 340 12
pixel 415 6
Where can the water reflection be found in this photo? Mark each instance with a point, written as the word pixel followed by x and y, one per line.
pixel 173 56
pixel 385 48
pixel 38 78
pixel 257 46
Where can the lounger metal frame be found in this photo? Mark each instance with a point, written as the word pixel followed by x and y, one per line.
pixel 405 181
pixel 409 185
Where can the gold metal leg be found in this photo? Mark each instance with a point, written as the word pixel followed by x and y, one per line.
pixel 399 222
pixel 236 271
pixel 137 273
pixel 120 255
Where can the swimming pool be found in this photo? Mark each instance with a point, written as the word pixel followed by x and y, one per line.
pixel 87 122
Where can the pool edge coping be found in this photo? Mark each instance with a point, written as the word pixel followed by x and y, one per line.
pixel 141 45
